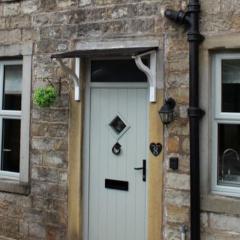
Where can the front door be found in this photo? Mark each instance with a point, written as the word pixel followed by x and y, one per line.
pixel 117 154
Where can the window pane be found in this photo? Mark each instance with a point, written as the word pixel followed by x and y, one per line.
pixel 10 145
pixel 117 71
pixel 229 154
pixel 12 87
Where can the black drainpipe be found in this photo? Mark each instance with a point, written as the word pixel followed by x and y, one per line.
pixel 191 19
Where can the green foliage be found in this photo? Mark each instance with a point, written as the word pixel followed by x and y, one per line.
pixel 45 96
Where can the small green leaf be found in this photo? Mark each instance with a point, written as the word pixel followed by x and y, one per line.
pixel 44 96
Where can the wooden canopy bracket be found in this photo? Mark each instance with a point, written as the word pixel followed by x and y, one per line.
pixel 150 72
pixel 73 75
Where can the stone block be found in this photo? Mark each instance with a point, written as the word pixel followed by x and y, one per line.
pixel 186 145
pixel 220 23
pixel 28 35
pixel 177 197
pixel 23 228
pixel 204 220
pixel 63 176
pixel 29 6
pixel 223 222
pixel 56 115
pixel 119 12
pixel 41 19
pixel 39 129
pixel 49 144
pixel 211 235
pixel 183 111
pixel 17 22
pixel 171 233
pixel 84 2
pixel 145 25
pixel 2 23
pixel 36 157
pixel 45 174
pixel 37 230
pixel 11 9
pixel 228 6
pixel 177 181
pixel 10 226
pixel 69 32
pixel 51 46
pixel 177 214
pixel 66 3
pixel 212 7
pixel 184 163
pixel 179 127
pixel 10 36
pixel 46 5
pixel 51 32
pixel 56 232
pixel 48 190
pixel 181 95
pixel 55 159
pixel 177 79
pixel 173 144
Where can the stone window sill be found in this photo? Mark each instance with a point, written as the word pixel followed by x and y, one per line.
pixel 220 204
pixel 13 186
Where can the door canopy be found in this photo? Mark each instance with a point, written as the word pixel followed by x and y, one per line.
pixel 137 53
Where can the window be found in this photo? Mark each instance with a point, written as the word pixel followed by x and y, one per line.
pixel 14 120
pixel 15 92
pixel 112 71
pixel 10 117
pixel 226 124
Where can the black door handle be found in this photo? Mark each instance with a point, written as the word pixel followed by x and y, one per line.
pixel 144 170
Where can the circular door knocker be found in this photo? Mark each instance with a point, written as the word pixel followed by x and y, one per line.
pixel 116 149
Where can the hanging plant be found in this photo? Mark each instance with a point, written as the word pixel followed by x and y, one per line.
pixel 45 96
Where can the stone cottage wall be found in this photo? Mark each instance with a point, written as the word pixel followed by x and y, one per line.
pixel 52 26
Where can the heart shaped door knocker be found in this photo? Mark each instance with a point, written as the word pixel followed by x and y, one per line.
pixel 156 148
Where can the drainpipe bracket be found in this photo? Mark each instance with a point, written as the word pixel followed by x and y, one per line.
pixel 194 112
pixel 194 7
pixel 195 37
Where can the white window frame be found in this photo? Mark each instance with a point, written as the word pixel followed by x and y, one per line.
pixel 23 115
pixel 8 114
pixel 219 117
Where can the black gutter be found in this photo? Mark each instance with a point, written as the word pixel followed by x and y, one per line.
pixel 191 19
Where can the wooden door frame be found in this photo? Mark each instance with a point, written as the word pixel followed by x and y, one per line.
pixel 86 138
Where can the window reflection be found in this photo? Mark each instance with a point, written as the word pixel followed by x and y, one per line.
pixel 113 70
pixel 228 152
pixel 231 85
pixel 12 87
pixel 10 145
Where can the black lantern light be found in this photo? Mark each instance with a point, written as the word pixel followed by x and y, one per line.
pixel 167 111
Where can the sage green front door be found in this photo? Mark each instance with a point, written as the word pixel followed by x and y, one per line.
pixel 118 145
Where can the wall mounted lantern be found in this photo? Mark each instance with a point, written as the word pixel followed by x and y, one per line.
pixel 167 111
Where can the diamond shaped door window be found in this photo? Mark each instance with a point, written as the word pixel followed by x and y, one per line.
pixel 118 125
